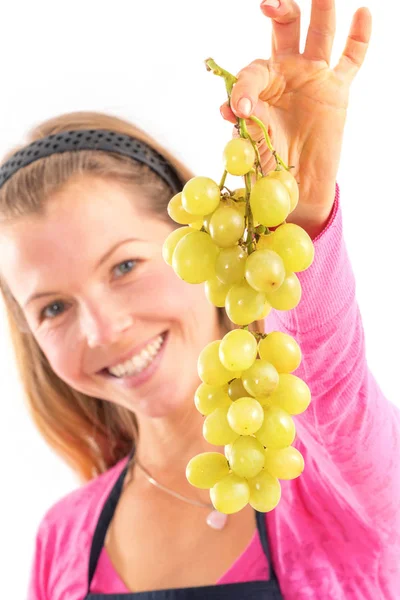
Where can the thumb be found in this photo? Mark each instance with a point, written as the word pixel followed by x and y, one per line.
pixel 251 82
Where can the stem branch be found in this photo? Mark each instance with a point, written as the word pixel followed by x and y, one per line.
pixel 222 182
pixel 278 159
pixel 253 143
pixel 249 217
pixel 230 79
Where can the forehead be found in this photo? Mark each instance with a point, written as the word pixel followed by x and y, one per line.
pixel 80 223
pixel 91 204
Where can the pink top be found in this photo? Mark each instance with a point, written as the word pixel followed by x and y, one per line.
pixel 336 531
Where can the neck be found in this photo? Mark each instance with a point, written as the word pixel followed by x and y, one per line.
pixel 167 444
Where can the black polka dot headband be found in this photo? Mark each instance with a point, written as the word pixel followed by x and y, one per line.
pixel 92 139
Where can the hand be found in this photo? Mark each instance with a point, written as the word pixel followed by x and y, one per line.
pixel 302 101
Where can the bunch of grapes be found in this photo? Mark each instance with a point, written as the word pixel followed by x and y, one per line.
pixel 240 246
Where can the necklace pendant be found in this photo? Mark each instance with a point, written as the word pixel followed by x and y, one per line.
pixel 216 520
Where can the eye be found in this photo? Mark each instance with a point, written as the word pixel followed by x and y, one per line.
pixel 124 267
pixel 53 310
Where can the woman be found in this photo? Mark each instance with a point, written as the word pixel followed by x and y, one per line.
pixel 107 339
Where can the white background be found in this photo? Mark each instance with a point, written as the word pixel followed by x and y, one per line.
pixel 144 61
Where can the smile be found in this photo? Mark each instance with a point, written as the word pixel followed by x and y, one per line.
pixel 140 361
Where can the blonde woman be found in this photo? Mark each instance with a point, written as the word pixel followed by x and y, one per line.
pixel 107 339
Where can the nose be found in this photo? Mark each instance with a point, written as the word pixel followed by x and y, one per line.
pixel 104 325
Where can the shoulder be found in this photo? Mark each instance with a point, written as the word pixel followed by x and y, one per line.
pixel 78 511
pixel 59 567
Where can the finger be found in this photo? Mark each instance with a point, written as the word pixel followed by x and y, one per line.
pixel 321 31
pixel 251 82
pixel 285 26
pixel 263 113
pixel 227 113
pixel 356 45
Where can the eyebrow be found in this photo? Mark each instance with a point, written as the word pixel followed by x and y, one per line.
pixel 98 264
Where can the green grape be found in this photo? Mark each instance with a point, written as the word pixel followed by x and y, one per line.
pixel 292 394
pixel 207 219
pixel 227 201
pixel 178 213
pixel 238 350
pixel 230 494
pixel 277 430
pixel 288 295
pixel 200 196
pixel 171 242
pixel 265 401
pixel 264 241
pixel 247 456
pixel 208 397
pixel 261 379
pixel 205 470
pixel 239 156
pixel 265 312
pixel 216 291
pixel 265 492
pixel 241 207
pixel 230 265
pixel 265 270
pixel 245 416
pixel 194 257
pixel 227 452
pixel 281 350
pixel 293 244
pixel 269 201
pixel 216 429
pixel 226 226
pixel 237 390
pixel 286 463
pixel 197 224
pixel 290 183
pixel 244 304
pixel 240 194
pixel 210 368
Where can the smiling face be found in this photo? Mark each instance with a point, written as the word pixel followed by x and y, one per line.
pixel 97 294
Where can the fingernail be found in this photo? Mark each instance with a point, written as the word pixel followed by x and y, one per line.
pixel 271 3
pixel 245 106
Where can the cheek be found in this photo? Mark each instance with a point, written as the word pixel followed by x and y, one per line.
pixel 159 295
pixel 63 352
pixel 169 297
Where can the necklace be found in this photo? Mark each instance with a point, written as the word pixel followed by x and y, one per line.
pixel 215 519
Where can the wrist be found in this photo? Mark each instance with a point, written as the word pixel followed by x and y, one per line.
pixel 315 207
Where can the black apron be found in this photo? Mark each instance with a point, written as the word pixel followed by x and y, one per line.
pixel 252 590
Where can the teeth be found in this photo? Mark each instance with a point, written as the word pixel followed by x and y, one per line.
pixel 139 361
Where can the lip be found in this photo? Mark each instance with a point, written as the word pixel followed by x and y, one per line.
pixel 135 381
pixel 132 352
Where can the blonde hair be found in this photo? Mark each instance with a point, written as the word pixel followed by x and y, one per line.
pixel 90 434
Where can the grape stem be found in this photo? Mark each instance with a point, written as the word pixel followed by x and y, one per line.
pixel 279 160
pixel 222 182
pixel 259 336
pixel 249 217
pixel 230 81
pixel 243 128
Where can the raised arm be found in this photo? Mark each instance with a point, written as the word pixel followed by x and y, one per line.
pixel 352 430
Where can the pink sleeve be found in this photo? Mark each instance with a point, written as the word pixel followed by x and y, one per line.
pixel 350 429
pixel 40 566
